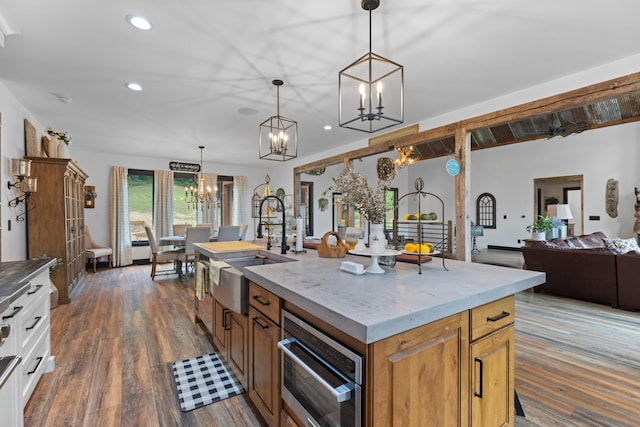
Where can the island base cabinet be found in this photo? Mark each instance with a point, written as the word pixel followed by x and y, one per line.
pixel 231 339
pixel 204 313
pixel 421 376
pixel 264 366
pixel 492 380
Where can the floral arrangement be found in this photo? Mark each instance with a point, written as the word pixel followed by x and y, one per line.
pixel 356 191
pixel 556 222
pixel 542 224
pixel 62 136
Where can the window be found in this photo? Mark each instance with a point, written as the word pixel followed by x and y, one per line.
pixel 140 184
pixel 486 210
pixel 225 200
pixel 183 213
pixel 391 211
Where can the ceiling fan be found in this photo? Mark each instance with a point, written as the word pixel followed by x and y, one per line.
pixel 566 129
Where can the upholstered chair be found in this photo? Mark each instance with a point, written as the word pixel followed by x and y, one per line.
pixel 158 256
pixel 194 235
pixel 93 251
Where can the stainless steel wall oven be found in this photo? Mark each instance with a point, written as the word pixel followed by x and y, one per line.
pixel 321 378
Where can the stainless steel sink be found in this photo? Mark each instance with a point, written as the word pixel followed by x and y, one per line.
pixel 233 290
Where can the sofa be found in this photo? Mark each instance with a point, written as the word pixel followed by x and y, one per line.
pixel 589 267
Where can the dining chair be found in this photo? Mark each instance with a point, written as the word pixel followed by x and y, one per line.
pixel 94 251
pixel 243 231
pixel 194 235
pixel 180 229
pixel 158 256
pixel 211 227
pixel 228 233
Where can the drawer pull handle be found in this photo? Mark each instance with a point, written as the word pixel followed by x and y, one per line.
pixel 36 368
pixel 35 290
pixel 480 367
pixel 498 317
pixel 38 318
pixel 257 322
pixel 16 310
pixel 261 301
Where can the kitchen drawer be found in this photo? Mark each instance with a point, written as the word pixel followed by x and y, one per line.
pixel 491 317
pixel 33 366
pixel 33 320
pixel 265 302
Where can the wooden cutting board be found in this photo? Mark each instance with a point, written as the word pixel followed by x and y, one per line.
pixel 230 246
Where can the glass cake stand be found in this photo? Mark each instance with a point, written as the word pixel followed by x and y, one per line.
pixel 374 267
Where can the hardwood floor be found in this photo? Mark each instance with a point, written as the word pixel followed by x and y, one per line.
pixel 577 364
pixel 114 344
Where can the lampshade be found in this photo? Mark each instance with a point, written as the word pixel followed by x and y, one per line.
pixel 371 89
pixel 21 167
pixel 564 212
pixel 278 135
pixel 560 211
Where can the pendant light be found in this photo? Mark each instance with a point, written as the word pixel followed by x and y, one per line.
pixel 362 84
pixel 278 135
pixel 202 194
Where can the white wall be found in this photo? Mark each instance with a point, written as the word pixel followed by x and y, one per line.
pixel 14 234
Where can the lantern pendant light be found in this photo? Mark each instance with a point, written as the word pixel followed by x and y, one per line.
pixel 278 135
pixel 362 84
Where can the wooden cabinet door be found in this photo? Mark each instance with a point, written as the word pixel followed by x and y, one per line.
pixel 220 328
pixel 237 346
pixel 420 377
pixel 264 366
pixel 492 380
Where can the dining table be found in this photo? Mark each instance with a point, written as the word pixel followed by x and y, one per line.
pixel 179 241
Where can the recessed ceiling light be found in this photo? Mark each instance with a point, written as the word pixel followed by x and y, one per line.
pixel 247 111
pixel 328 127
pixel 140 22
pixel 134 86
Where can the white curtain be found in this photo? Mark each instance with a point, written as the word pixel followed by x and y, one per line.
pixel 210 216
pixel 119 217
pixel 162 203
pixel 239 195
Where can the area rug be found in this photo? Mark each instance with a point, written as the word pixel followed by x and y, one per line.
pixel 203 380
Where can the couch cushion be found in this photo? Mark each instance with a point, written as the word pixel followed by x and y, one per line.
pixel 622 246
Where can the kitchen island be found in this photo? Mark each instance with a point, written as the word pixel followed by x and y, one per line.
pixel 437 347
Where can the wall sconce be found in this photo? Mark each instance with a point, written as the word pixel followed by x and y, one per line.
pixel 25 184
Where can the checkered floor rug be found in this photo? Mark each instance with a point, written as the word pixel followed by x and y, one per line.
pixel 203 380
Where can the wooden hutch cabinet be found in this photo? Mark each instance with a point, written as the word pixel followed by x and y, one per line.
pixel 55 221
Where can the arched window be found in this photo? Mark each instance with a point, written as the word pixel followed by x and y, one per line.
pixel 486 210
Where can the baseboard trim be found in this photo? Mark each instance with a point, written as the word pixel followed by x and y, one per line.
pixel 503 248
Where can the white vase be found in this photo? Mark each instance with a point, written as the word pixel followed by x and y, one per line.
pixel 53 146
pixel 377 242
pixel 539 235
pixel 63 150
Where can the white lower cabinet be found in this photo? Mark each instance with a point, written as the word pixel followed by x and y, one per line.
pixel 30 339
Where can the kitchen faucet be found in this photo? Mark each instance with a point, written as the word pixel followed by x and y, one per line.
pixel 284 245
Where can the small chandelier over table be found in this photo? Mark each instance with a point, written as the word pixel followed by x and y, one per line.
pixel 361 87
pixel 201 194
pixel 407 157
pixel 278 135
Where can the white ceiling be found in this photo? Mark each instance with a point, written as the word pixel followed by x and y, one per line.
pixel 205 62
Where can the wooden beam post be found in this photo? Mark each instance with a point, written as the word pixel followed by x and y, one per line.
pixel 463 184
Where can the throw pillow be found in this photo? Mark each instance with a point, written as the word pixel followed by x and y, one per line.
pixel 622 246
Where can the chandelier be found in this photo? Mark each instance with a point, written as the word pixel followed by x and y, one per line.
pixel 278 135
pixel 361 86
pixel 407 157
pixel 200 194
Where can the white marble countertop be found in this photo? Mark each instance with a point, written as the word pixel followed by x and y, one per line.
pixel 374 307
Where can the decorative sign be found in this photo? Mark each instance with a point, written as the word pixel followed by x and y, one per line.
pixel 453 167
pixel 184 167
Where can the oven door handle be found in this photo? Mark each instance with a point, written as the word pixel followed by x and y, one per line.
pixel 341 393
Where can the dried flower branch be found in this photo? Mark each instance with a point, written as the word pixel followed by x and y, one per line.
pixel 62 136
pixel 356 191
